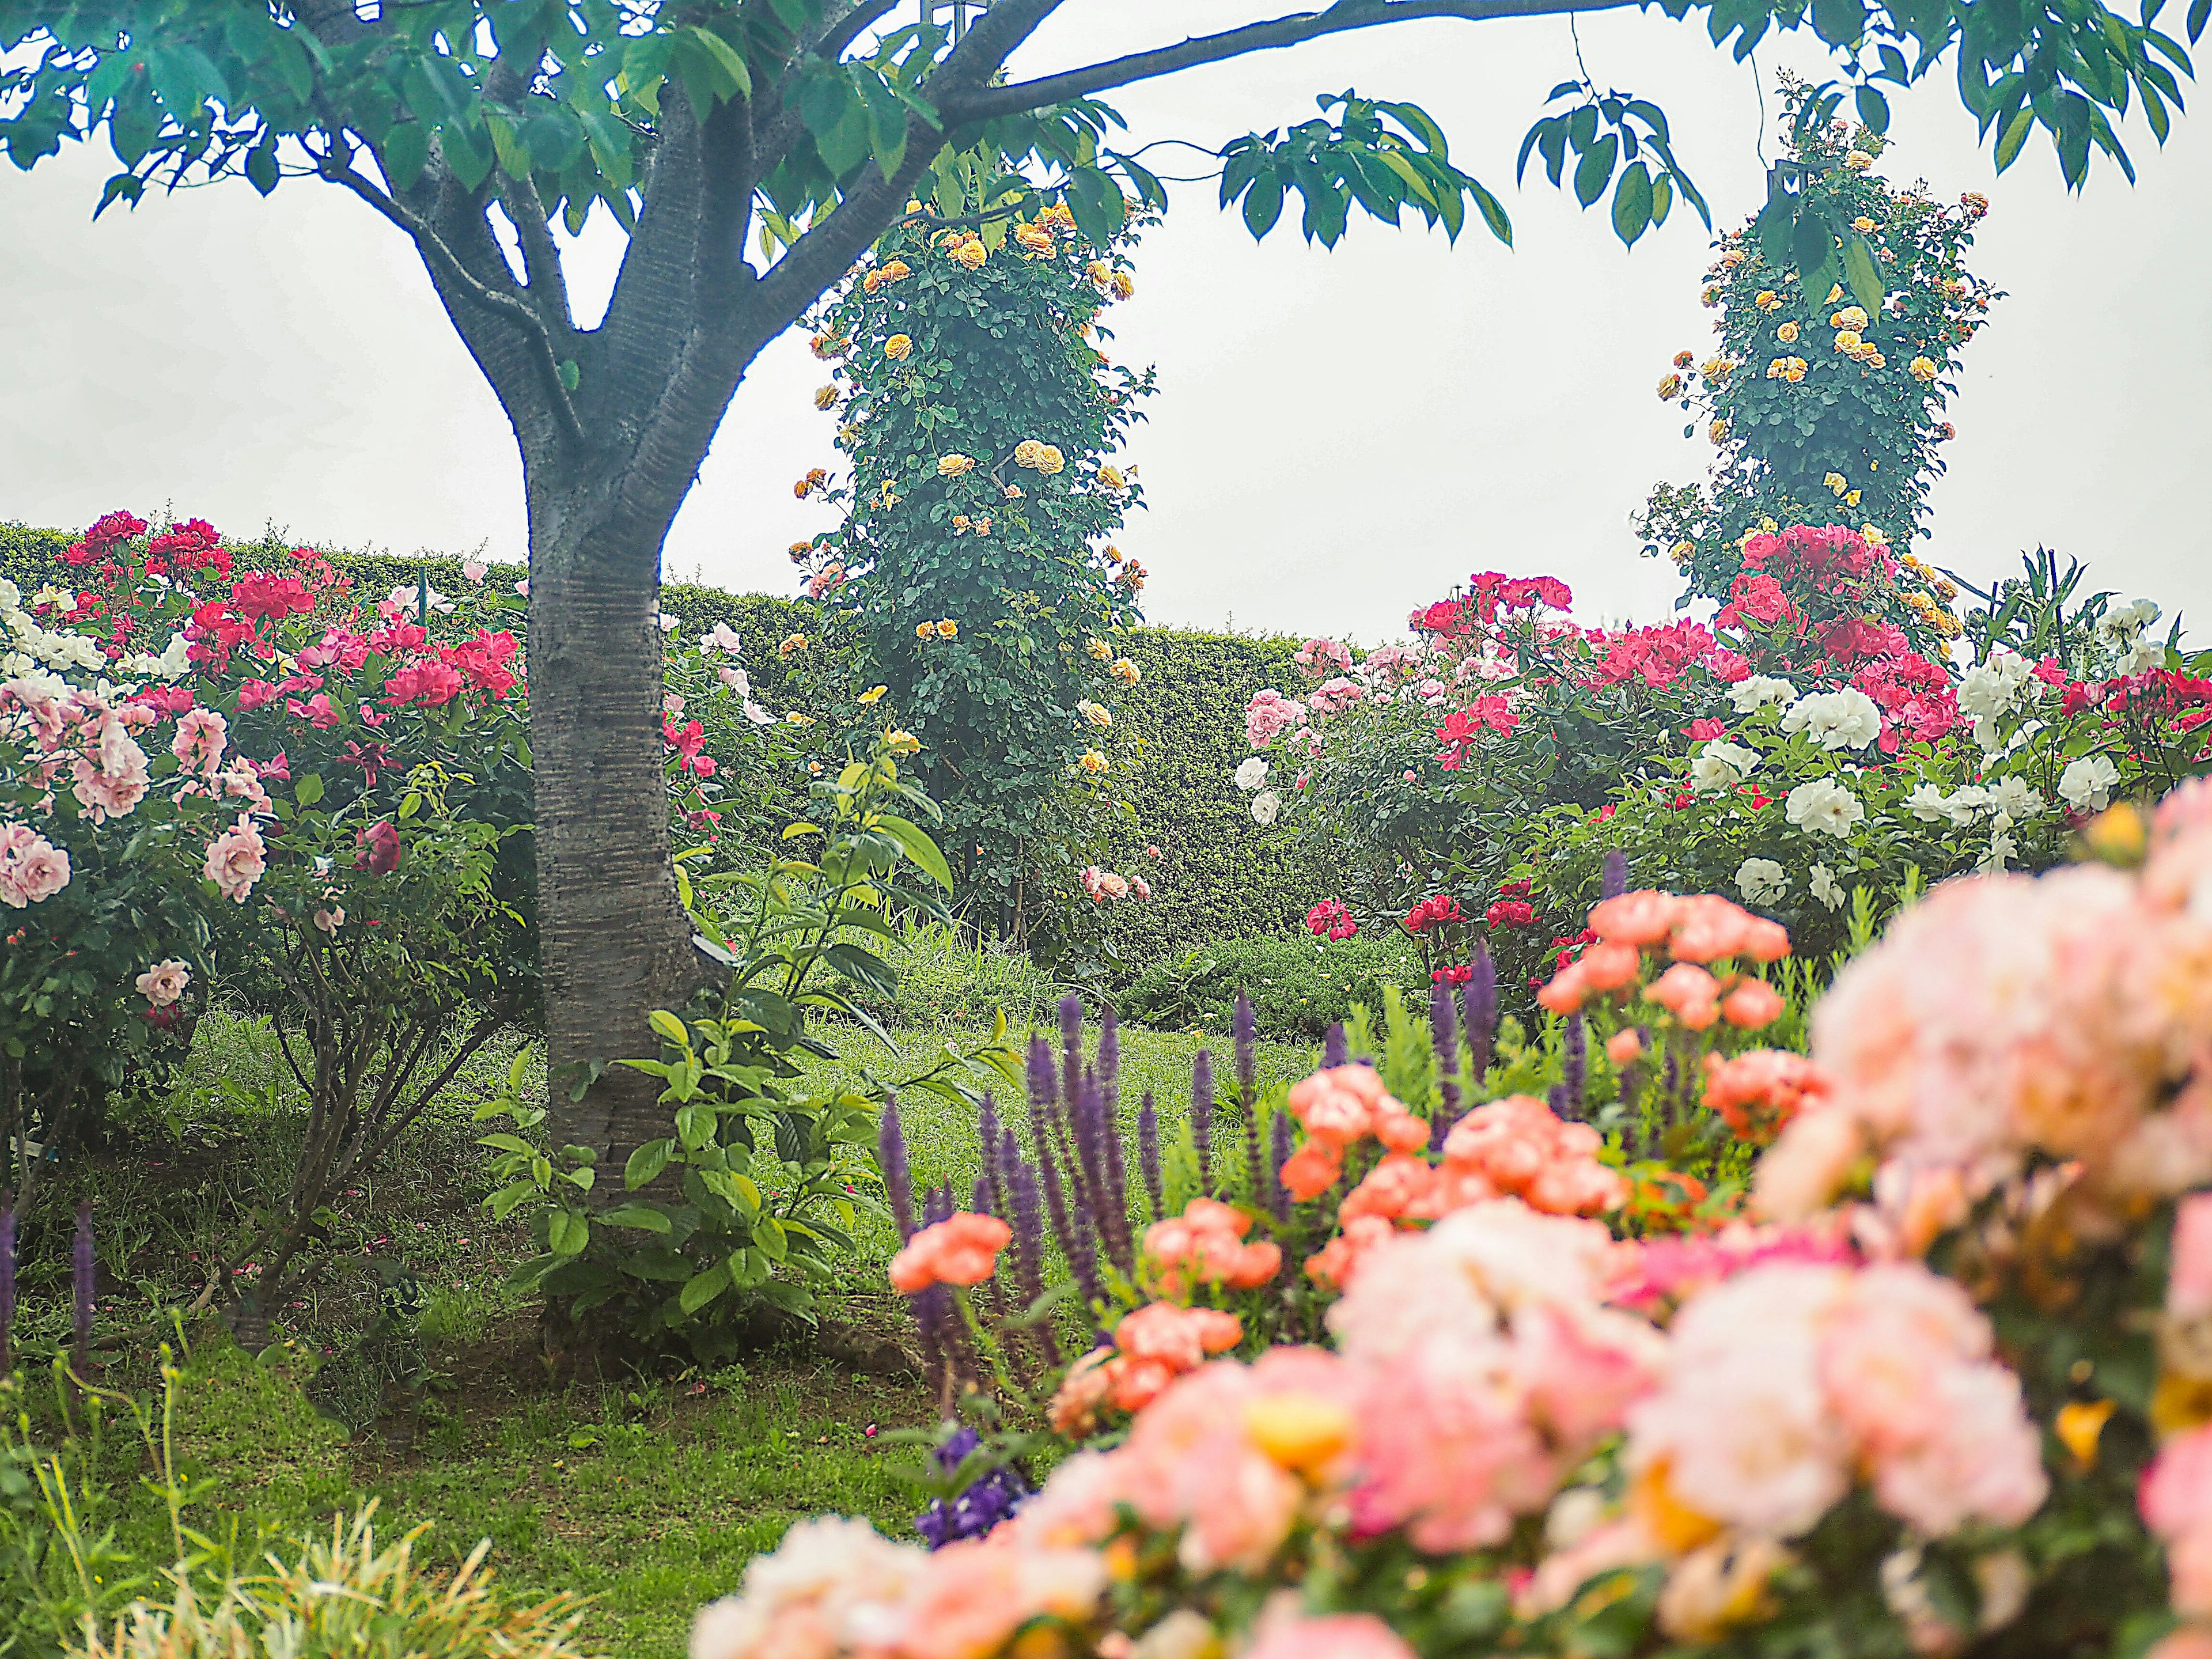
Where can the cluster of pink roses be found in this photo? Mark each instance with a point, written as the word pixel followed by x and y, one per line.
pixel 32 867
pixel 1103 886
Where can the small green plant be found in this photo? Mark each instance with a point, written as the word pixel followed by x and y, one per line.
pixel 341 1596
pixel 1299 987
pixel 761 1181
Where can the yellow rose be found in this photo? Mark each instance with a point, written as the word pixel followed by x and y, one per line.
pixel 1092 762
pixel 1111 477
pixel 896 271
pixel 1025 453
pixel 983 526
pixel 1849 317
pixel 1774 370
pixel 1767 299
pixel 960 523
pixel 948 629
pixel 1049 460
pixel 1710 298
pixel 1127 671
pixel 1100 650
pixel 794 718
pixel 1863 225
pixel 824 396
pixel 873 694
pixel 1874 533
pixel 1858 160
pixel 1796 371
pixel 972 254
pixel 1874 359
pixel 1096 714
pixel 1787 333
pixel 951 466
pixel 897 347
pixel 1124 285
pixel 899 742
pixel 1853 499
pixel 1924 370
pixel 794 642
pixel 1834 294
pixel 1682 551
pixel 1036 238
pixel 1718 432
pixel 925 631
pixel 1835 481
pixel 1670 388
pixel 1113 555
pixel 871 282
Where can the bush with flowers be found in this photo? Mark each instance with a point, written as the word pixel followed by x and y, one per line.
pixel 1942 1389
pixel 980 414
pixel 1816 404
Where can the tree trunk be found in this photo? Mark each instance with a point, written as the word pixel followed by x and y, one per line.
pixel 614 943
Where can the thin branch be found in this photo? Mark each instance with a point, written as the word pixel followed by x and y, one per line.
pixel 545 284
pixel 1293 30
pixel 446 263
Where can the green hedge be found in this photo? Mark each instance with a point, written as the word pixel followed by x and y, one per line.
pixel 1219 875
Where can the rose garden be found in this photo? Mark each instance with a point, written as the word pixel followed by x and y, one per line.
pixel 544 1112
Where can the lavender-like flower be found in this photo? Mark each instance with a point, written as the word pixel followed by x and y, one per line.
pixel 6 1276
pixel 1614 880
pixel 82 1268
pixel 1109 1180
pixel 1478 1000
pixel 1071 1051
pixel 1443 1037
pixel 1043 1123
pixel 1110 1056
pixel 1244 1031
pixel 989 1499
pixel 1029 1237
pixel 980 1203
pixel 898 1174
pixel 1148 1153
pixel 1201 1118
pixel 1278 1197
pixel 1335 1046
pixel 1574 1061
pixel 987 1132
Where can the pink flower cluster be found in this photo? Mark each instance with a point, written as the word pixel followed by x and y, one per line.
pixel 1104 886
pixel 2176 1502
pixel 962 1249
pixel 1331 919
pixel 1792 1379
pixel 1206 1245
pixel 1321 658
pixel 1701 928
pixel 31 868
pixel 1153 1345
pixel 2011 1015
pixel 1269 714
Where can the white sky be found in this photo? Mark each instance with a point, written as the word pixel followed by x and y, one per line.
pixel 1337 436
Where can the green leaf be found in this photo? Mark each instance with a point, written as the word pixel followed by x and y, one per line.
pixel 725 55
pixel 1594 171
pixel 915 844
pixel 670 1027
pixel 770 1236
pixel 1860 273
pixel 703 1289
pixel 567 1233
pixel 261 166
pixel 645 1217
pixel 1632 203
pixel 307 790
pixel 647 1162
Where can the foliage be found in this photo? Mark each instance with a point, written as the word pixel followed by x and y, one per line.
pixel 976 550
pixel 755 1190
pixel 1298 986
pixel 945 978
pixel 1811 401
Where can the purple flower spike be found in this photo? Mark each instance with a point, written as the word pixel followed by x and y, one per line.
pixel 1614 882
pixel 82 1269
pixel 1444 1036
pixel 1109 1057
pixel 1335 1046
pixel 898 1176
pixel 980 1203
pixel 1278 1197
pixel 1575 1066
pixel 1479 1008
pixel 1040 1073
pixel 1244 1031
pixel 1148 1153
pixel 994 1174
pixel 1201 1118
pixel 1071 1051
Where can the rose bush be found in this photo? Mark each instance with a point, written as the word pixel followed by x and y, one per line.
pixel 1944 1389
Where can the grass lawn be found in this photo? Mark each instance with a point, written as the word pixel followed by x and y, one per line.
pixel 646 1493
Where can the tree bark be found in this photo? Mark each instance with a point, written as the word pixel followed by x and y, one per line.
pixel 614 943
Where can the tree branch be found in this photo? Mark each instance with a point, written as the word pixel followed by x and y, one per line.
pixel 447 265
pixel 1293 30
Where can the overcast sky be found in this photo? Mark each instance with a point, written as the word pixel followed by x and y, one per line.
pixel 1339 435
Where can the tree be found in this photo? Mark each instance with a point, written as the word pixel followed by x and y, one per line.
pixel 475 127
pixel 979 417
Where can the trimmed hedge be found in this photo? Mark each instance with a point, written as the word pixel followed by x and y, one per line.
pixel 1219 875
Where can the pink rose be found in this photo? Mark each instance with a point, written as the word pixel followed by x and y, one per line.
pixel 236 860
pixel 2189 1282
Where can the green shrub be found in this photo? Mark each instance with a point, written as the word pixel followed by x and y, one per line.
pixel 946 981
pixel 1299 985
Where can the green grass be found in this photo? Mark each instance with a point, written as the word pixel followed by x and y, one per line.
pixel 647 1494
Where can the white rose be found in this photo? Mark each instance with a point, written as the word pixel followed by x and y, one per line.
pixel 2001 848
pixel 2015 798
pixel 11 596
pixel 1748 695
pixel 1835 720
pixel 2124 625
pixel 1265 805
pixel 1722 766
pixel 1252 773
pixel 2086 785
pixel 2145 654
pixel 1992 687
pixel 1825 888
pixel 1967 803
pixel 1823 806
pixel 1928 804
pixel 1761 881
